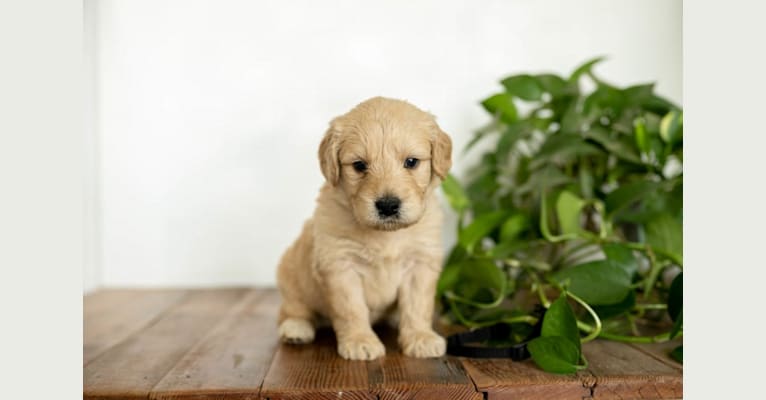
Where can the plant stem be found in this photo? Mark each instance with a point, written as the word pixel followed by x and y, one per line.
pixel 471 324
pixel 633 327
pixel 538 287
pixel 521 318
pixel 595 332
pixel 544 300
pixel 584 362
pixel 653 273
pixel 651 306
pixel 637 339
pixel 664 337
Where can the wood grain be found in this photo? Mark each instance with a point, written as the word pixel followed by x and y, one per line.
pixel 109 317
pixel 508 379
pixel 222 344
pixel 396 376
pixel 130 369
pixel 623 372
pixel 660 352
pixel 315 371
pixel 233 359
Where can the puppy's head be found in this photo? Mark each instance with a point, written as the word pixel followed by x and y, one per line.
pixel 385 155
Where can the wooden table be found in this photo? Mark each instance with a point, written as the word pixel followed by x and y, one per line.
pixel 222 344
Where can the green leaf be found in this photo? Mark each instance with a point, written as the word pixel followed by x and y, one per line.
pixel 501 105
pixel 620 148
pixel 480 283
pixel 555 85
pixel 678 354
pixel 677 325
pixel 560 321
pixel 568 209
pixel 641 136
pixel 554 354
pixel 604 99
pixel 505 249
pixel 671 127
pixel 573 120
pixel 456 197
pixel 584 68
pixel 596 282
pixel 621 257
pixel 676 297
pixel 457 255
pixel 511 135
pixel 524 87
pixel 543 179
pixel 627 194
pixel 448 279
pixel 638 94
pixel 585 176
pixel 613 310
pixel 659 105
pixel 479 228
pixel 665 234
pixel 512 227
pixel 560 149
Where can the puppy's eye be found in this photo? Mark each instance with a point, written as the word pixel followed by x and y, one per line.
pixel 360 166
pixel 411 163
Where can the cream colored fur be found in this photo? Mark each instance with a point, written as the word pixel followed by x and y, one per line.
pixel 354 267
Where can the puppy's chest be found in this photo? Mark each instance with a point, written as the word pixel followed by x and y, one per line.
pixel 382 273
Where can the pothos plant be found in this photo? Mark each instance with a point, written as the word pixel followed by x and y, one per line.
pixel 577 206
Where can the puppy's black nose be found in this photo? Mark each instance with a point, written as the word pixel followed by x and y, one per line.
pixel 388 206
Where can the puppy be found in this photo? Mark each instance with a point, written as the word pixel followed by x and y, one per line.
pixel 373 247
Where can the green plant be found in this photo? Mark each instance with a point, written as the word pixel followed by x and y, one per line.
pixel 580 199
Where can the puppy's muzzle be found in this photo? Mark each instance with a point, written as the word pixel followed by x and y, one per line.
pixel 388 206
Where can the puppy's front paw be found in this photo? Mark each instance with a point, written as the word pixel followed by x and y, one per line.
pixel 296 331
pixel 361 347
pixel 422 344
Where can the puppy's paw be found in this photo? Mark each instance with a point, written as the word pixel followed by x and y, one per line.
pixel 422 344
pixel 296 331
pixel 365 346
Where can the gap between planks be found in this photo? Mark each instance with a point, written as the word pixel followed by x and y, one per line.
pixel 125 371
pixel 113 316
pixel 613 372
pixel 232 360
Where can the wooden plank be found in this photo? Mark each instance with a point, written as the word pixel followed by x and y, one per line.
pixel 110 316
pixel 396 376
pixel 315 371
pixel 621 371
pixel 133 367
pixel 508 379
pixel 233 359
pixel 660 352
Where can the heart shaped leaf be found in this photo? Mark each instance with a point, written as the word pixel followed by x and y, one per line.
pixel 480 227
pixel 554 354
pixel 560 321
pixel 596 282
pixel 455 194
pixel 524 87
pixel 501 105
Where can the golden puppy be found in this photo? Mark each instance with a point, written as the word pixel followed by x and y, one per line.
pixel 373 247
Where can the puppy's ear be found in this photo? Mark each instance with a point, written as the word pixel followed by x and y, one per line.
pixel 441 153
pixel 328 155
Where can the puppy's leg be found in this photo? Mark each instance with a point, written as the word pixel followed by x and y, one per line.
pixel 295 323
pixel 350 316
pixel 416 306
pixel 295 316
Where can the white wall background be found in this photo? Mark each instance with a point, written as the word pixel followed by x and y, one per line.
pixel 206 115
